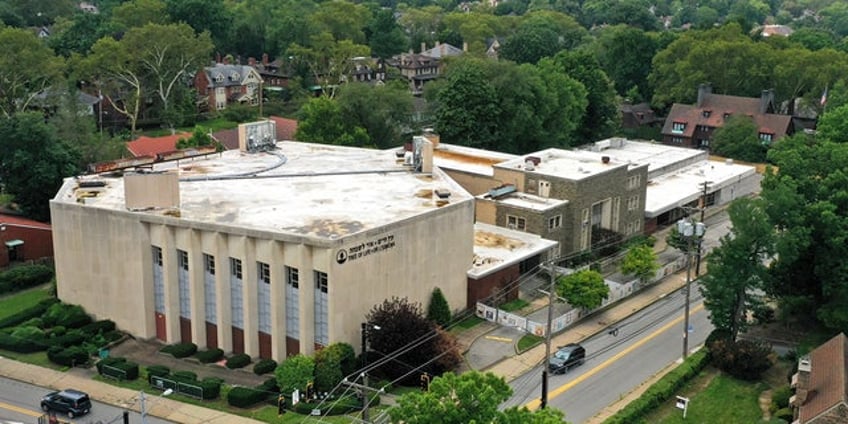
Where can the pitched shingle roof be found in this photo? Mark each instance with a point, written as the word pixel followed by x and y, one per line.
pixel 145 146
pixel 230 74
pixel 828 382
pixel 717 105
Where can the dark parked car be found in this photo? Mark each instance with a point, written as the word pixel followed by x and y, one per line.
pixel 71 402
pixel 568 356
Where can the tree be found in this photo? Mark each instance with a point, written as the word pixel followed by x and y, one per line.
pixel 584 289
pixel 813 38
pixel 641 262
pixel 77 128
pixel 199 137
pixel 137 13
pixel 383 111
pixel 295 373
pixel 833 125
pixel 736 268
pixel 331 61
pixel 465 111
pixel 78 34
pixel 386 38
pixel 403 327
pixel 438 311
pixel 27 68
pixel 805 201
pixel 332 364
pixel 34 162
pixel 739 139
pixel 321 121
pixel 625 53
pixel 472 397
pixel 212 16
pixel 533 40
pixel 343 19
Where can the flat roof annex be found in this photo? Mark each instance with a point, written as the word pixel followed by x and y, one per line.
pixel 496 248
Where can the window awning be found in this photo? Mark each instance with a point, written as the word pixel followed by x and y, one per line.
pixel 14 243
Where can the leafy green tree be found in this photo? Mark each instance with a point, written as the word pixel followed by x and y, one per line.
pixel 584 289
pixel 78 34
pixel 199 137
pixel 533 40
pixel 641 262
pixel 401 323
pixel 27 68
pixel 287 25
pixel 34 162
pixel 343 19
pixel 625 53
pixel 295 373
pixel 739 139
pixel 805 197
pixel 332 364
pixel 331 62
pixel 383 111
pixel 602 116
pixel 833 125
pixel 471 397
pixel 438 311
pixel 465 111
pixel 736 269
pixel 473 28
pixel 321 121
pixel 212 16
pixel 137 13
pixel 813 38
pixel 386 38
pixel 835 18
pixel 76 127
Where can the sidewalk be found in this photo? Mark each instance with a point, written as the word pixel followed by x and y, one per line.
pixel 79 379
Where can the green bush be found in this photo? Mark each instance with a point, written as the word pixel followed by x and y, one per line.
pixel 438 311
pixel 784 414
pixel 110 361
pixel 38 322
pixel 661 391
pixel 71 338
pixel 111 336
pixel 34 311
pixel 70 316
pixel 17 344
pixel 209 356
pixel 264 366
pixel 742 359
pixel 211 388
pixel 180 350
pixel 118 368
pixel 245 397
pixel 238 360
pixel 184 376
pixel 780 398
pixel 24 276
pixel 102 326
pixel 157 371
pixel 71 356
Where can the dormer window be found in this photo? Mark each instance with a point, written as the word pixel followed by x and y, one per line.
pixel 219 78
pixel 726 115
pixel 234 76
pixel 706 113
pixel 766 138
pixel 678 127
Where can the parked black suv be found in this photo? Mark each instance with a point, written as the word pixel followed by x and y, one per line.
pixel 68 401
pixel 568 356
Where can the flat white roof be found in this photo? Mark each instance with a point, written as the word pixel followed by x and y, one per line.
pixel 570 164
pixel 659 157
pixel 468 159
pixel 496 248
pixel 312 190
pixel 526 201
pixel 679 188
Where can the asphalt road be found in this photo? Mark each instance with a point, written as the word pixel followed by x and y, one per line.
pixel 20 403
pixel 646 343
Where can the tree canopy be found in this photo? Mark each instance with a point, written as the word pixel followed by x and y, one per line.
pixel 641 262
pixel 584 289
pixel 739 139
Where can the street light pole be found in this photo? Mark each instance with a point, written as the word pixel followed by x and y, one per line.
pixel 142 399
pixel 705 185
pixel 546 368
pixel 689 230
pixel 365 369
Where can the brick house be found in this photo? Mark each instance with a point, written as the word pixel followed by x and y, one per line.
pixel 419 68
pixel 24 239
pixel 821 384
pixel 693 125
pixel 224 84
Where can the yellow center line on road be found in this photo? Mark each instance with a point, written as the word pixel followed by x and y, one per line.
pixel 20 410
pixel 535 403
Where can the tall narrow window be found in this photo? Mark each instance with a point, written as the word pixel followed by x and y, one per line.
pixel 236 294
pixel 263 289
pixel 322 323
pixel 182 280
pixel 209 288
pixel 158 281
pixel 292 303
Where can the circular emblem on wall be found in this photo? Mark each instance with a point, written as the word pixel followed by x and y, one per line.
pixel 341 256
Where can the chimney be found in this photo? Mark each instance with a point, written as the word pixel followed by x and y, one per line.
pixel 251 61
pixel 218 57
pixel 703 91
pixel 442 50
pixel 802 383
pixel 766 100
pixel 423 46
pixel 265 59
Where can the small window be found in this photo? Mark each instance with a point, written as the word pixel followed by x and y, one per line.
pixel 633 181
pixel 516 223
pixel 264 272
pixel 235 267
pixel 632 203
pixel 554 222
pixel 766 138
pixel 677 140
pixel 726 115
pixel 209 261
pixel 235 76
pixel 678 127
pixel 219 78
pixel 706 113
pixel 182 258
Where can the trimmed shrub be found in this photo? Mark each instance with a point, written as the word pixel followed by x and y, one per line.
pixel 111 336
pixel 742 359
pixel 780 398
pixel 71 357
pixel 71 338
pixel 264 366
pixel 209 356
pixel 24 276
pixel 34 311
pixel 185 376
pixel 16 344
pixel 156 371
pixel 102 326
pixel 245 397
pixel 211 388
pixel 180 350
pixel 238 360
pixel 118 368
pixel 110 361
pixel 70 316
pixel 784 414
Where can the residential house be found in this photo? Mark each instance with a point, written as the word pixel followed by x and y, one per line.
pixel 23 239
pixel 88 7
pixel 638 115
pixel 274 73
pixel 693 125
pixel 419 68
pixel 223 84
pixel 776 30
pixel 821 384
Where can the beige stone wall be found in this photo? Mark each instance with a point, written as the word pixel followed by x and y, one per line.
pixel 473 183
pixel 104 263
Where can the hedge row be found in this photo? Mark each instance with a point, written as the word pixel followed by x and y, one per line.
pixel 69 357
pixel 117 367
pixel 209 356
pixel 185 382
pixel 264 366
pixel 180 350
pixel 662 390
pixel 34 311
pixel 24 277
pixel 245 397
pixel 239 360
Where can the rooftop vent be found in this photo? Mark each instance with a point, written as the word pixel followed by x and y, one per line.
pixel 728 161
pixel 605 159
pixel 400 153
pixel 443 193
pixel 90 184
pixel 529 165
pixel 501 191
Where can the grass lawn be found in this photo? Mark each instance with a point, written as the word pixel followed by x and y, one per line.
pixel 467 323
pixel 529 340
pixel 514 305
pixel 19 301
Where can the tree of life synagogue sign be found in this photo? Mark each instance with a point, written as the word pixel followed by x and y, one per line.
pixel 364 249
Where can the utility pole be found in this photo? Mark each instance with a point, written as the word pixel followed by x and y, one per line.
pixel 690 230
pixel 546 369
pixel 705 187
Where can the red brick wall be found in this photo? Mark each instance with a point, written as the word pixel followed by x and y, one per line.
pixel 492 283
pixel 38 242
